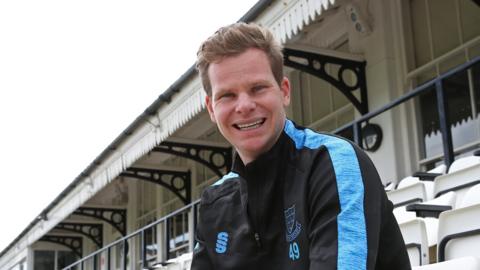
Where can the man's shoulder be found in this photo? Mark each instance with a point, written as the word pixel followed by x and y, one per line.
pixel 308 138
pixel 220 188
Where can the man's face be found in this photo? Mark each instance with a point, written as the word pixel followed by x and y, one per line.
pixel 247 104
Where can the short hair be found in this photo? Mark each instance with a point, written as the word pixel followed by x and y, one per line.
pixel 233 40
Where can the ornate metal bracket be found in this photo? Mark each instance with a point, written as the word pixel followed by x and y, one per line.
pixel 179 183
pixel 314 64
pixel 115 217
pixel 92 231
pixel 218 157
pixel 75 243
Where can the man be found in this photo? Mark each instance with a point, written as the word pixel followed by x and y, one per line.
pixel 295 199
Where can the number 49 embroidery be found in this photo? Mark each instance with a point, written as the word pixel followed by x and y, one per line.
pixel 294 251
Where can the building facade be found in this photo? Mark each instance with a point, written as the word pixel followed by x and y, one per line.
pixel 346 60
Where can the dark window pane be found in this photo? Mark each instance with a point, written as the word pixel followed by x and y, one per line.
pixel 476 87
pixel 65 258
pixel 464 127
pixel 430 125
pixel 44 260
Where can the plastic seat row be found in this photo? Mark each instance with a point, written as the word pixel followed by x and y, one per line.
pixel 433 214
pixel 462 174
pixel 458 236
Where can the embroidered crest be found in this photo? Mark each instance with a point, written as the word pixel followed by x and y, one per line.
pixel 293 227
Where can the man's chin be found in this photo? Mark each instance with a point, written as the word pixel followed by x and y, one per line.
pixel 254 149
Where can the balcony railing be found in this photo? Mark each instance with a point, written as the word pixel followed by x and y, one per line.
pixel 169 244
pixel 442 111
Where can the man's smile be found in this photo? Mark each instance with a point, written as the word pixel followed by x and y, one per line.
pixel 250 125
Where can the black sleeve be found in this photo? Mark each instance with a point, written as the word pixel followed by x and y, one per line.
pixel 201 259
pixel 323 208
pixel 386 248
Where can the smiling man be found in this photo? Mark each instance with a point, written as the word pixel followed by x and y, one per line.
pixel 295 199
pixel 247 103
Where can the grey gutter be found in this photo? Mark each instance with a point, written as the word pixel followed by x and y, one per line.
pixel 151 110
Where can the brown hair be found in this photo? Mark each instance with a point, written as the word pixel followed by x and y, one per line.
pixel 233 40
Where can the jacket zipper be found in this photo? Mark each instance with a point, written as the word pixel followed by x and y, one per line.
pixel 257 240
pixel 252 216
pixel 256 216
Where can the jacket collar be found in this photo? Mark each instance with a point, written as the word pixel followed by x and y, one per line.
pixel 262 162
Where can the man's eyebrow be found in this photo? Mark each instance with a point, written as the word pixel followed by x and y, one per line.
pixel 259 81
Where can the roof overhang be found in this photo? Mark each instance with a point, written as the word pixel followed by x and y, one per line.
pixel 286 18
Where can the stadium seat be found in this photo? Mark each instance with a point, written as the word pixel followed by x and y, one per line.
pixel 426 178
pixel 464 263
pixel 182 262
pixel 463 163
pixel 430 219
pixel 464 175
pixel 408 194
pixel 414 234
pixel 459 229
pixel 389 186
pixel 441 169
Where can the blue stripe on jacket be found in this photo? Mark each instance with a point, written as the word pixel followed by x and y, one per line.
pixel 229 175
pixel 352 238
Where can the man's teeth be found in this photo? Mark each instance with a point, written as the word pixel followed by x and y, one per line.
pixel 250 125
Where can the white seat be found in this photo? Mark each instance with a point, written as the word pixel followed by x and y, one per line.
pixel 472 196
pixel 389 187
pixel 463 163
pixel 182 262
pixel 431 224
pixel 414 234
pixel 460 180
pixel 459 229
pixel 407 181
pixel 442 169
pixel 464 263
pixel 410 180
pixel 412 193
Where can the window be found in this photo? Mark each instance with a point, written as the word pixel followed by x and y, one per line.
pixel 44 259
pixel 65 258
pixel 444 35
pixel 52 259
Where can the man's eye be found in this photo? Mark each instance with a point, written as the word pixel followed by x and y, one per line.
pixel 258 88
pixel 226 95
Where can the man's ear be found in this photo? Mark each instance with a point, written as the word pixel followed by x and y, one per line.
pixel 208 103
pixel 285 88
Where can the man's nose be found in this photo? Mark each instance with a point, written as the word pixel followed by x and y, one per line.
pixel 245 104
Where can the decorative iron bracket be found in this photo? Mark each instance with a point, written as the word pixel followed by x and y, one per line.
pixel 115 217
pixel 92 231
pixel 177 182
pixel 195 152
pixel 315 63
pixel 75 243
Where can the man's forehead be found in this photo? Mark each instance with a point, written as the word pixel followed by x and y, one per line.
pixel 252 65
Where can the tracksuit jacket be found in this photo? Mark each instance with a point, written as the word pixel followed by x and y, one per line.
pixel 314 201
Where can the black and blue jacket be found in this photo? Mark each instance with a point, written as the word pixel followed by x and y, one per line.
pixel 314 201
